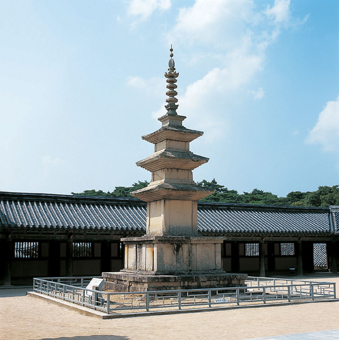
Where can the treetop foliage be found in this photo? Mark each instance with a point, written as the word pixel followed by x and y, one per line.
pixel 117 192
pixel 323 197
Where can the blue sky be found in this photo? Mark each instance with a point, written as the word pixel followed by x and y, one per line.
pixel 82 81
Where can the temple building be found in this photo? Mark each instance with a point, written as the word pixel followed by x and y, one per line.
pixel 64 235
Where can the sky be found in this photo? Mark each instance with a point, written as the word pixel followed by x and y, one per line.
pixel 81 81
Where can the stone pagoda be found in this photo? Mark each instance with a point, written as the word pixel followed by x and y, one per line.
pixel 171 255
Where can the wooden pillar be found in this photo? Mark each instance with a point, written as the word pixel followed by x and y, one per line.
pixel 105 256
pixel 333 258
pixel 69 257
pixel 270 257
pixel 262 258
pixel 235 266
pixel 54 258
pixel 7 260
pixel 300 270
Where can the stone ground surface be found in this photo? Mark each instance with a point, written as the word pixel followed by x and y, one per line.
pixel 26 318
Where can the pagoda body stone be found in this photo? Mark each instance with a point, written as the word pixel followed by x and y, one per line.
pixel 172 254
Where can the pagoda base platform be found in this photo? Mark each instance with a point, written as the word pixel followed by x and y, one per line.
pixel 136 282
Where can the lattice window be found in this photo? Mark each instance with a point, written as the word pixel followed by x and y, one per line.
pixel 251 249
pixel 320 256
pixel 82 249
pixel 26 250
pixel 287 249
pixel 336 218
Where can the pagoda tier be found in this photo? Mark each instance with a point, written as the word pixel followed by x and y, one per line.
pixel 169 190
pixel 172 159
pixel 179 133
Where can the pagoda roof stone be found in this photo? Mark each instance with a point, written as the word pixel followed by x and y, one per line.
pixel 165 190
pixel 178 133
pixel 172 159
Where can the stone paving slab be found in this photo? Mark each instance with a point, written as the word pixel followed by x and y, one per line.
pixel 325 335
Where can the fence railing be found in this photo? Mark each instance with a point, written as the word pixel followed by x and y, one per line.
pixel 258 291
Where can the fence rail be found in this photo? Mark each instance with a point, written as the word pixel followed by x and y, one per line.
pixel 258 291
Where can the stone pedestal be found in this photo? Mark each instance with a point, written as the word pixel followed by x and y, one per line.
pixel 172 255
pixel 172 262
pixel 136 282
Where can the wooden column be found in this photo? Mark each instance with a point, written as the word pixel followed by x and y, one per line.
pixel 69 257
pixel 105 256
pixel 333 260
pixel 7 260
pixel 270 257
pixel 235 258
pixel 262 259
pixel 300 270
pixel 54 258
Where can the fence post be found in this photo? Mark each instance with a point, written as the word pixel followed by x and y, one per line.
pixel 147 301
pixel 108 302
pixel 47 287
pixel 334 290
pixel 289 293
pixel 237 295
pixel 83 296
pixel 179 299
pixel 264 294
pixel 209 299
pixel 311 291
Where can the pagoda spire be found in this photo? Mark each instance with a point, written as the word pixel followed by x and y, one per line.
pixel 171 76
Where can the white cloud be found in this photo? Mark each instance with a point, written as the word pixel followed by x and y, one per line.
pixel 218 22
pixel 260 93
pixel 238 33
pixel 280 11
pixel 198 100
pixel 326 130
pixel 137 82
pixel 50 161
pixel 153 87
pixel 144 8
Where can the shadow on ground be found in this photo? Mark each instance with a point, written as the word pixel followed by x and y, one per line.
pixel 12 292
pixel 91 337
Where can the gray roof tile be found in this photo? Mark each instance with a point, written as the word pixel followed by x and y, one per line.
pixel 74 212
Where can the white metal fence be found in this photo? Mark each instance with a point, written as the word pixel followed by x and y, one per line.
pixel 259 291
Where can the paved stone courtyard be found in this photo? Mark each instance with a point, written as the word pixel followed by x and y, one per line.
pixel 26 318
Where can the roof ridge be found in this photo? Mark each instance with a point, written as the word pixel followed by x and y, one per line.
pixel 22 196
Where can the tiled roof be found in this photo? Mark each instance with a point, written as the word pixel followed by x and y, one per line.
pixel 256 220
pixel 70 212
pixel 46 211
pixel 335 216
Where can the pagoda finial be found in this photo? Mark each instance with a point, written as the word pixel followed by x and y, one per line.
pixel 171 76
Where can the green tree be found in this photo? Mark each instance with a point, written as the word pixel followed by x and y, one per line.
pixel 261 197
pixel 323 197
pixel 221 193
pixel 117 192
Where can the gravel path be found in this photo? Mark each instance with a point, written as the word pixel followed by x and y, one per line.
pixel 26 318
